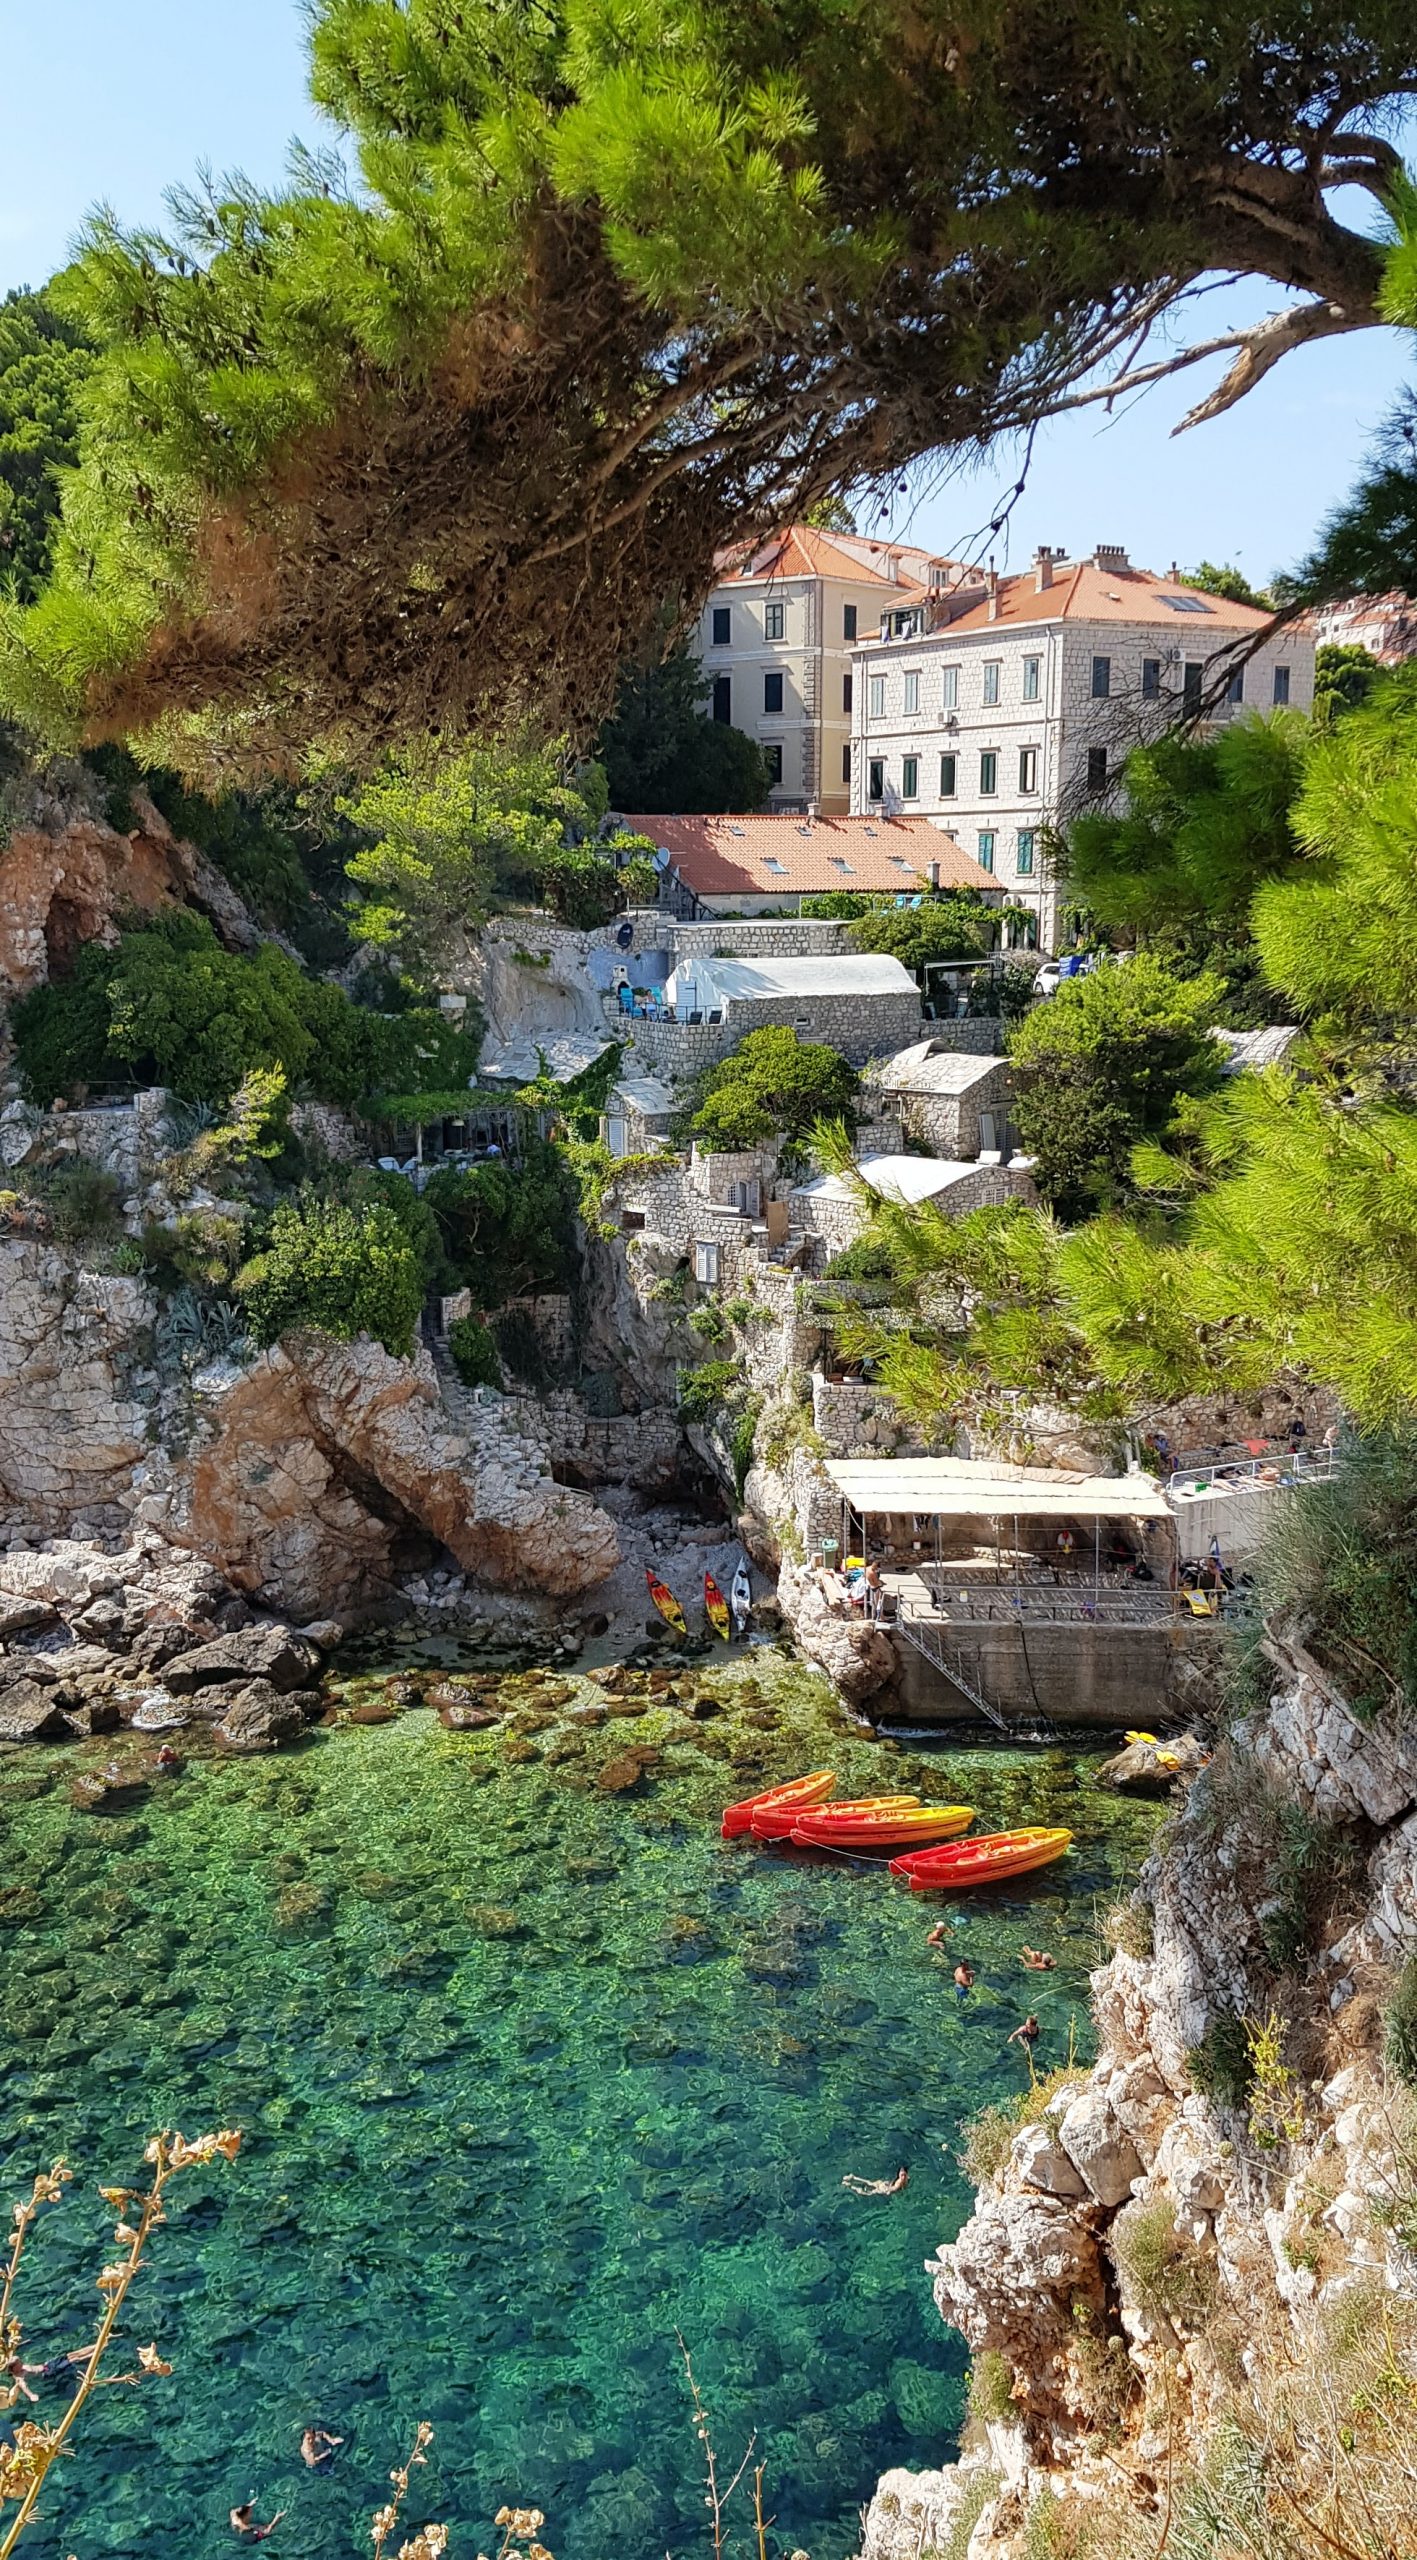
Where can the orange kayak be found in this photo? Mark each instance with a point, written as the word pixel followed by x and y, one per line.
pixel 775 1821
pixel 716 1610
pixel 971 1862
pixel 901 1826
pixel 799 1792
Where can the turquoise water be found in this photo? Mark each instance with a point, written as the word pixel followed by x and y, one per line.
pixel 531 2076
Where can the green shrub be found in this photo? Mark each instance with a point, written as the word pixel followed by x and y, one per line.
pixel 1400 2024
pixel 1221 2066
pixel 740 1440
pixel 947 928
pixel 508 1229
pixel 703 1392
pixel 522 1349
pixel 84 1205
pixel 707 1321
pixel 1167 2272
pixel 774 1085
pixel 474 1353
pixel 1129 1927
pixel 342 1271
pixel 991 2385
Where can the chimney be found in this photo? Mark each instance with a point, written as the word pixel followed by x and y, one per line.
pixel 932 874
pixel 1111 558
pixel 1174 574
pixel 893 567
pixel 1043 560
pixel 992 585
pixel 814 810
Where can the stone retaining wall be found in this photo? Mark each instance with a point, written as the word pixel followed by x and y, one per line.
pixel 856 1419
pixel 629 1448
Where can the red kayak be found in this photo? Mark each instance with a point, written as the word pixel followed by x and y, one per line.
pixel 970 1862
pixel 796 1793
pixel 778 1821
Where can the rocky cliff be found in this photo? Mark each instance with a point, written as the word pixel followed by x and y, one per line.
pixel 307 1478
pixel 68 875
pixel 1227 2200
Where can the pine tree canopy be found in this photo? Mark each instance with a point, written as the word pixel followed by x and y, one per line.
pixel 1206 819
pixel 622 280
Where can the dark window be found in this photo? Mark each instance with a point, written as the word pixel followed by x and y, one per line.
pixel 848 622
pixel 1151 679
pixel 846 762
pixel 632 1222
pixel 723 697
pixel 1101 679
pixel 910 778
pixel 1097 768
pixel 948 769
pixel 774 618
pixel 720 626
pixel 774 757
pixel 772 693
pixel 876 779
pixel 989 772
pixel 1281 684
pixel 1191 688
pixel 1026 839
pixel 986 849
pixel 1235 689
pixel 846 690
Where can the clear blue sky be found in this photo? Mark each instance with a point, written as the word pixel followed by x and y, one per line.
pixel 123 97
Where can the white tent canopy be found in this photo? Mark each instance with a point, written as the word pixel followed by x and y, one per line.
pixel 965 1488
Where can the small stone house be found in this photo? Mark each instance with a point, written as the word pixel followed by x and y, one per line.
pixel 954 1103
pixel 832 1212
pixel 637 1117
pixel 863 1004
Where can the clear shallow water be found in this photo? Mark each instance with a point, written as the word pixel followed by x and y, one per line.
pixel 488 2175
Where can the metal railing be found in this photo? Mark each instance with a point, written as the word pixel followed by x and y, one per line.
pixel 1284 1469
pixel 1050 1605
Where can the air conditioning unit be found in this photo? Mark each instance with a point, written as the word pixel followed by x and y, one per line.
pixel 951 719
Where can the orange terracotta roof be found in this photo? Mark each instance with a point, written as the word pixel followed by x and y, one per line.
pixel 1081 592
pixel 791 857
pixel 805 551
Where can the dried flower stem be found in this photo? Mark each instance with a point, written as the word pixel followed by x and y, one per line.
pixel 167 2153
pixel 717 2499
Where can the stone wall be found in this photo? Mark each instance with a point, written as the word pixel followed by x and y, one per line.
pixel 678 1050
pixel 856 1419
pixel 776 938
pixel 628 1448
pixel 947 1124
pixel 980 1035
pixel 126 1138
pixel 715 1173
pixel 1086 1674
pixel 859 1027
pixel 324 1127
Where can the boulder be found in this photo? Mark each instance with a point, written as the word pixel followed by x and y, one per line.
pixel 1153 1768
pixel 259 1719
pixel 29 1713
pixel 96 1716
pixel 269 1652
pixel 121 1783
pixel 914 2512
pixel 22 1617
pixel 324 1633
pixel 1041 2163
pixel 857 1656
pixel 465 1717
pixel 1101 2151
pixel 1024 2274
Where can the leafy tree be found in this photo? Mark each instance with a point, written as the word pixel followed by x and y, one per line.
pixel 44 359
pixel 660 752
pixel 831 515
pixel 1344 675
pixel 508 1229
pixel 474 1353
pixel 1206 819
pixel 338 1270
pixel 1102 1065
pixel 450 831
pixel 1340 936
pixel 1228 581
pixel 948 928
pixel 616 281
pixel 585 885
pixel 168 1004
pixel 774 1085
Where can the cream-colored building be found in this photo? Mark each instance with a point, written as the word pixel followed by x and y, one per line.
pixel 775 639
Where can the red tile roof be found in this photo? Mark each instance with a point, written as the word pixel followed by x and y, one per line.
pixel 804 551
pixel 1081 592
pixel 732 857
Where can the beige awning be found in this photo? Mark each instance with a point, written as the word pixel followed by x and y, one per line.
pixel 964 1488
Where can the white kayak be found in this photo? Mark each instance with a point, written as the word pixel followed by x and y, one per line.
pixel 740 1598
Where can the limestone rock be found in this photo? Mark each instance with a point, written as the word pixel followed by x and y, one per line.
pixel 1100 2150
pixel 1309 1743
pixel 857 1656
pixel 1041 2163
pixel 465 1717
pixel 914 2512
pixel 278 1496
pixel 67 876
pixel 104 1790
pixel 1014 2280
pixel 1154 1768
pixel 259 1719
pixel 31 1714
pixel 326 1634
pixel 272 1653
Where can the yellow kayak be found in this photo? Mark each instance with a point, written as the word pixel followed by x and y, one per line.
pixel 881 1826
pixel 716 1610
pixel 666 1603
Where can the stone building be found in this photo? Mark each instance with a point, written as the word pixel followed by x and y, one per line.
pixel 955 1104
pixel 755 866
pixel 775 640
pixel 863 1004
pixel 831 1212
pixel 1000 706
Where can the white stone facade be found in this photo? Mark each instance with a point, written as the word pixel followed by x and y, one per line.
pixel 1000 729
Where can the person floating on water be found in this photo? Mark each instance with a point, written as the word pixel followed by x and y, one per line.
pixel 939 1933
pixel 876 2186
pixel 243 2520
pixel 318 2448
pixel 964 1980
pixel 1026 2035
pixel 1036 1960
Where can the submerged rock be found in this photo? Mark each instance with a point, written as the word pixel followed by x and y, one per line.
pixel 464 1716
pixel 259 1719
pixel 29 1713
pixel 271 1652
pixel 121 1783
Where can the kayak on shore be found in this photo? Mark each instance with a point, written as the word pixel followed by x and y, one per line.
pixel 666 1603
pixel 971 1862
pixel 716 1609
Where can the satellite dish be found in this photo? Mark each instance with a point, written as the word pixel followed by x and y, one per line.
pixel 624 935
